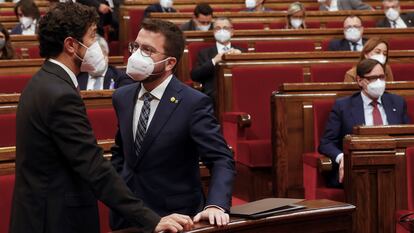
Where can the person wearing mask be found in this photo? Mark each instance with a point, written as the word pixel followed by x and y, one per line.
pixel 256 6
pixel 6 48
pixel 162 6
pixel 295 18
pixel 339 5
pixel 204 71
pixel 371 106
pixel 165 128
pixel 202 18
pixel 393 17
pixel 28 14
pixel 60 169
pixel 353 31
pixel 101 75
pixel 377 49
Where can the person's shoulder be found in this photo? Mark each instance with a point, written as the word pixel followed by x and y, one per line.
pixel 125 90
pixel 153 7
pixel 394 97
pixel 186 90
pixel 187 26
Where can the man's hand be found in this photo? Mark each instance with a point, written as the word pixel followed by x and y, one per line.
pixel 233 51
pixel 218 58
pixel 174 223
pixel 214 215
pixel 341 170
pixel 103 9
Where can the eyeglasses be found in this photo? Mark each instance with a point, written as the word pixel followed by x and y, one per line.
pixel 225 28
pixel 353 26
pixel 146 51
pixel 375 77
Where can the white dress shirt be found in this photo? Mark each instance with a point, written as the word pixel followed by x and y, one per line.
pixel 157 93
pixel 92 80
pixel 399 23
pixel 30 30
pixel 221 49
pixel 334 5
pixel 70 73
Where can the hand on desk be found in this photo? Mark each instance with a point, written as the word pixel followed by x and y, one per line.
pixel 341 170
pixel 174 223
pixel 214 215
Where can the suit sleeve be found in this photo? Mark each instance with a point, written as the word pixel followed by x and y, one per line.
pixel 117 158
pixel 204 69
pixel 359 5
pixel 332 46
pixel 332 138
pixel 72 133
pixel 93 3
pixel 214 152
pixel 406 118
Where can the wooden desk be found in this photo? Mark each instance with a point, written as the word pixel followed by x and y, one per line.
pixel 375 175
pixel 319 216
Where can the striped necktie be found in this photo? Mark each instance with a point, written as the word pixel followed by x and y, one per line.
pixel 142 122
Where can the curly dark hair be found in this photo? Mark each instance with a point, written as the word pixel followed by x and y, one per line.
pixel 174 38
pixel 7 51
pixel 65 20
pixel 28 8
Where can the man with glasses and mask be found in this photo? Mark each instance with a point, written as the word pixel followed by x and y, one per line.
pixel 353 31
pixel 393 17
pixel 165 129
pixel 371 106
pixel 60 169
pixel 202 18
pixel 204 71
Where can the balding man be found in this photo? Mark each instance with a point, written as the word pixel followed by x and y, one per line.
pixel 393 17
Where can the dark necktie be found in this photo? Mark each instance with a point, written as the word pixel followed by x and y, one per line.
pixel 354 46
pixel 142 122
pixel 376 115
pixel 394 24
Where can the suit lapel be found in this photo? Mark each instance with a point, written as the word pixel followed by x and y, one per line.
pixel 53 68
pixel 131 100
pixel 164 111
pixel 357 110
pixel 389 109
pixel 107 79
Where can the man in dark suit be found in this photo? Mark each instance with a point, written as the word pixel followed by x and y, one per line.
pixel 163 6
pixel 60 170
pixel 393 18
pixel 204 71
pixel 371 106
pixel 106 77
pixel 353 31
pixel 340 5
pixel 202 18
pixel 165 129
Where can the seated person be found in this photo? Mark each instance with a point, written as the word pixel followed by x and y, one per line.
pixel 202 18
pixel 295 18
pixel 393 18
pixel 204 72
pixel 6 48
pixel 353 31
pixel 163 6
pixel 377 49
pixel 339 5
pixel 370 106
pixel 104 76
pixel 256 6
pixel 28 14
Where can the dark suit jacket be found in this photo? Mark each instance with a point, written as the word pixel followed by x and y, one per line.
pixel 18 29
pixel 342 44
pixel 119 78
pixel 166 174
pixel 407 18
pixel 191 26
pixel 157 8
pixel 204 71
pixel 348 112
pixel 60 169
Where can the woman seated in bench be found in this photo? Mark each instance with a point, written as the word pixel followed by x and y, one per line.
pixel 377 49
pixel 28 14
pixel 6 49
pixel 295 18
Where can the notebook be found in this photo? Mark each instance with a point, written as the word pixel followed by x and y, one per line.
pixel 266 207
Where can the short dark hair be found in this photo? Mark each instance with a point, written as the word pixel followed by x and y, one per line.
pixel 365 66
pixel 28 8
pixel 8 52
pixel 65 20
pixel 174 38
pixel 204 9
pixel 353 16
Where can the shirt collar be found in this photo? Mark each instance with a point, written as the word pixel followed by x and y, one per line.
pixel 157 92
pixel 220 46
pixel 367 101
pixel 68 71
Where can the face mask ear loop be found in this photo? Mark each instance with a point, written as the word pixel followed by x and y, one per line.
pixel 158 63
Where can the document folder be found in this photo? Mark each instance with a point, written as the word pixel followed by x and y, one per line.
pixel 266 207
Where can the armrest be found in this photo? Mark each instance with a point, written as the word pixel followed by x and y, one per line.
pixel 234 125
pixel 242 119
pixel 316 160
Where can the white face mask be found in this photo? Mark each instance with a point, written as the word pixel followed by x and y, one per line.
pixel 321 1
pixel 353 34
pixel 222 35
pixel 380 58
pixel 26 21
pixel 250 3
pixel 204 27
pixel 166 3
pixel 376 89
pixel 140 67
pixel 296 23
pixel 94 61
pixel 392 14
